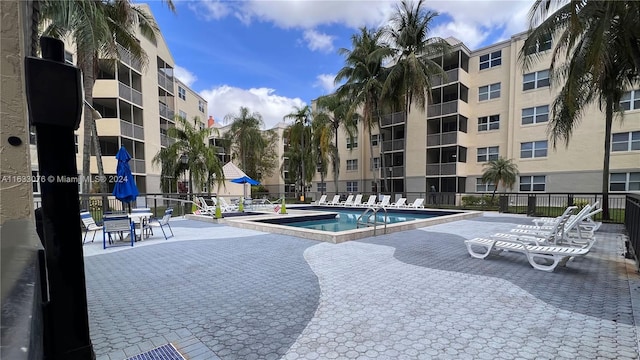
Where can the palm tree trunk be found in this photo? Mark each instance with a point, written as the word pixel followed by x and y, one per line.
pixel 607 156
pixel 382 161
pixel 302 162
pixel 190 185
pixel 336 164
pixel 85 62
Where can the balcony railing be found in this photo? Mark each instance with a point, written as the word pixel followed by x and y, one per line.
pixel 449 107
pixel 393 145
pixel 395 171
pixel 451 76
pixel 166 140
pixel 137 166
pixel 393 119
pixel 126 58
pixel 130 94
pixel 442 138
pixel 166 112
pixel 441 169
pixel 166 82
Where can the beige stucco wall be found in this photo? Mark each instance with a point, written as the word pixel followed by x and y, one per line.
pixel 15 165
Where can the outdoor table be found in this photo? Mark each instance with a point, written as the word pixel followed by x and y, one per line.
pixel 142 219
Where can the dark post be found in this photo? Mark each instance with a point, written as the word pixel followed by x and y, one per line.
pixel 503 201
pixel 54 96
pixel 531 205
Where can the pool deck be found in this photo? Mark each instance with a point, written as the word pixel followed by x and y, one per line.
pixel 222 292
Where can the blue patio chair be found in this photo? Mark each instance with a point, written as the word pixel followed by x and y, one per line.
pixel 162 222
pixel 119 224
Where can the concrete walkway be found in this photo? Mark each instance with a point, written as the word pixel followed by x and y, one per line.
pixel 220 292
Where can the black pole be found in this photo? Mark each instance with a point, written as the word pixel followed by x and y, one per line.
pixel 54 96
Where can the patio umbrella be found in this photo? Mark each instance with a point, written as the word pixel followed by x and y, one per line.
pixel 245 180
pixel 125 189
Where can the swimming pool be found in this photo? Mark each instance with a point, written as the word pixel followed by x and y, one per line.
pixel 321 223
pixel 346 219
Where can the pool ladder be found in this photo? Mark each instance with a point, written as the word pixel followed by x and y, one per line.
pixel 365 219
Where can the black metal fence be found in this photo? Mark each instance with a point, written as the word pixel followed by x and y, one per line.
pixel 632 224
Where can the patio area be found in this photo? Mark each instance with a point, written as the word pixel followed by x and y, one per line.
pixel 216 291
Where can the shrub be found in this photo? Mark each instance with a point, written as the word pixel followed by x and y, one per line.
pixel 471 200
pixel 580 203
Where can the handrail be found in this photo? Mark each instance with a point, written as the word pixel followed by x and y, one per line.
pixel 368 223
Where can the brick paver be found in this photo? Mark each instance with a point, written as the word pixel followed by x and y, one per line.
pixel 237 294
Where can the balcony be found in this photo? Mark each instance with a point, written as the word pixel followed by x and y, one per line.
pixel 166 140
pixel 395 171
pixel 393 145
pixel 441 169
pixel 449 107
pixel 166 112
pixel 447 138
pixel 130 94
pixel 451 76
pixel 165 82
pixel 126 58
pixel 131 130
pixel 393 119
pixel 137 166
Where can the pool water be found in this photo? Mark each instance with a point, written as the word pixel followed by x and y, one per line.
pixel 347 220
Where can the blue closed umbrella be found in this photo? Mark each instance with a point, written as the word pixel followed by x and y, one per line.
pixel 125 189
pixel 245 180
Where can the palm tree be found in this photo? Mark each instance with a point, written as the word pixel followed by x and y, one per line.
pixel 595 59
pixel 334 111
pixel 190 153
pixel 414 67
pixel 245 136
pixel 97 28
pixel 364 77
pixel 500 171
pixel 300 132
pixel 323 149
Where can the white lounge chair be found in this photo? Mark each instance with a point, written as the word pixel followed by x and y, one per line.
pixel 547 221
pixel 559 255
pixel 347 202
pixel 205 207
pixel 588 223
pixel 417 204
pixel 89 225
pixel 322 200
pixel 402 202
pixel 225 206
pixel 334 201
pixel 357 201
pixel 385 201
pixel 371 202
pixel 571 227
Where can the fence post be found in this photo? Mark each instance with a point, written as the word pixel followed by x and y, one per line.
pixel 531 205
pixel 503 201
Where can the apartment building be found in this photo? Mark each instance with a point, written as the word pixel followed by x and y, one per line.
pixel 487 107
pixel 137 105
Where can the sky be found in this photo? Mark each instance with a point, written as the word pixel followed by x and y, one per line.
pixel 271 56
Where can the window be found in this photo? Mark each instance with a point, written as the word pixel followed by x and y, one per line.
pixel 489 123
pixel 535 115
pixel 491 60
pixel 533 183
pixel 375 164
pixel 322 187
pixel 32 135
pixel 489 92
pixel 484 187
pixel 201 125
pixel 534 149
pixel 182 93
pixel 352 164
pixel 374 139
pixel 535 80
pixel 352 186
pixel 182 114
pixel 75 139
pixel 624 181
pixel 626 141
pixel 540 46
pixel 488 153
pixel 201 106
pixel 35 182
pixel 630 100
pixel 68 57
pixel 352 143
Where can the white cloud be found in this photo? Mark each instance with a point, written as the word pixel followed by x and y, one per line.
pixel 326 82
pixel 317 41
pixel 186 76
pixel 210 9
pixel 226 99
pixel 470 35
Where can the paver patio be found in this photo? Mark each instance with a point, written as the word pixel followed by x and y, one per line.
pixel 220 292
